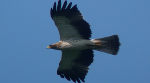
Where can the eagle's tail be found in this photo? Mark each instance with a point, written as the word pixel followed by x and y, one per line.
pixel 108 44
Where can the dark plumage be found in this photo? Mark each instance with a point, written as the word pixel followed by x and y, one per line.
pixel 75 17
pixel 80 69
pixel 75 43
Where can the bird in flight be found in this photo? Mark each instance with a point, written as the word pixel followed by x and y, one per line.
pixel 75 43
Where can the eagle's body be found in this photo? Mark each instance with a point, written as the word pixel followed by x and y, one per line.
pixel 75 43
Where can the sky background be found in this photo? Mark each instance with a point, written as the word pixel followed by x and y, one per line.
pixel 26 29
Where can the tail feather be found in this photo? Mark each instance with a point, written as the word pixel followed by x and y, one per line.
pixel 109 44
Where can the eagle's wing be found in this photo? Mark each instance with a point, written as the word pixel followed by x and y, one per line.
pixel 70 22
pixel 74 64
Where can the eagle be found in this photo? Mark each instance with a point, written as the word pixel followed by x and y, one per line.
pixel 75 43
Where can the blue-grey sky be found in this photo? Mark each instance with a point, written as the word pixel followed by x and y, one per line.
pixel 26 29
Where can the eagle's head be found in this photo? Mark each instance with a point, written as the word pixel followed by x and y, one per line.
pixel 56 46
pixel 52 46
pixel 59 45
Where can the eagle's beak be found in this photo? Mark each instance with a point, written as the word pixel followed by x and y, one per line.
pixel 48 47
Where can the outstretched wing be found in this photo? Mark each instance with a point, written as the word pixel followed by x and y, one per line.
pixel 74 64
pixel 70 22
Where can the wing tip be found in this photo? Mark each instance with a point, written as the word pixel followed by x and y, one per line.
pixel 62 9
pixel 71 76
pixel 59 5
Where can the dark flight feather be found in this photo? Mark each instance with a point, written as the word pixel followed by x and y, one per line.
pixel 64 5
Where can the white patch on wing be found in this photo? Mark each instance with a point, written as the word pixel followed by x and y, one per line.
pixel 66 30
